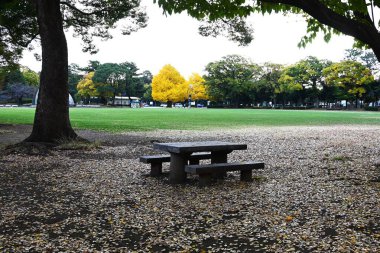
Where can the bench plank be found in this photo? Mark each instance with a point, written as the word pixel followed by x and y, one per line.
pixel 218 167
pixel 206 171
pixel 154 158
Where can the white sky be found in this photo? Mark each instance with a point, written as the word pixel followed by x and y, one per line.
pixel 175 40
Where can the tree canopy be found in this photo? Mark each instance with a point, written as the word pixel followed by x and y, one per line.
pixel 350 76
pixel 197 88
pixel 232 79
pixel 88 19
pixel 86 87
pixel 351 17
pixel 169 86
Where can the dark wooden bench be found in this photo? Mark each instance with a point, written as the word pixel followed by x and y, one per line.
pixel 157 160
pixel 206 171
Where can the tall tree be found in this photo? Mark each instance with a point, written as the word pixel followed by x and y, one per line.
pixel 86 88
pixel 133 81
pixel 73 78
pixel 197 88
pixel 111 75
pixel 169 86
pixel 350 76
pixel 31 78
pixel 351 17
pixel 306 77
pixel 91 66
pixel 268 86
pixel 366 57
pixel 22 21
pixel 146 79
pixel 231 79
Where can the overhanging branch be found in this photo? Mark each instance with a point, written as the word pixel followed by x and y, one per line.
pixel 363 31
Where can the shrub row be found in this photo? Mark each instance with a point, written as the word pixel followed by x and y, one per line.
pixel 370 108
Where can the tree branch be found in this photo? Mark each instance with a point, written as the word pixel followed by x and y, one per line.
pixel 364 32
pixel 80 11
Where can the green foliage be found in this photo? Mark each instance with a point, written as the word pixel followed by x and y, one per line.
pixel 352 17
pixel 14 76
pixel 235 29
pixel 373 109
pixel 18 27
pixel 111 75
pixel 237 82
pixel 91 67
pixel 350 77
pixel 31 78
pixel 73 78
pixel 121 79
pixel 19 75
pixel 231 79
pixel 304 78
pixel 268 86
pixel 366 57
pixel 148 92
pixel 88 19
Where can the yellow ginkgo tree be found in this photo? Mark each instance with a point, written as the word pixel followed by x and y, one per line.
pixel 197 88
pixel 86 87
pixel 169 86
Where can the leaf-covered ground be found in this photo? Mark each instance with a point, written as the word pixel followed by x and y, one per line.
pixel 319 192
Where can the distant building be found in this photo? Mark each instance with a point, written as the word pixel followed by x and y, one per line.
pixel 127 101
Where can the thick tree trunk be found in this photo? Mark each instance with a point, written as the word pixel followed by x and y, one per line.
pixel 51 122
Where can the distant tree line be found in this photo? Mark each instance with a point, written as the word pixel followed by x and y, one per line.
pixel 232 81
pixel 235 81
pixel 106 81
pixel 100 82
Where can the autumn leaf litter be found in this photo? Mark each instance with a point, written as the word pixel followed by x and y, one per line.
pixel 319 192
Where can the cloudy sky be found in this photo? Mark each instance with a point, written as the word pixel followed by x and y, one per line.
pixel 175 40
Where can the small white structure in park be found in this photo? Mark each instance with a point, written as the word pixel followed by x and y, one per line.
pixel 71 100
pixel 126 100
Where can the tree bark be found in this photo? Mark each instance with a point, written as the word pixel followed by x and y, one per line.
pixel 51 121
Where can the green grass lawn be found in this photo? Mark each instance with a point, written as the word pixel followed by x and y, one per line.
pixel 123 119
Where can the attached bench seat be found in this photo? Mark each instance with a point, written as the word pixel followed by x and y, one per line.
pixel 157 160
pixel 206 171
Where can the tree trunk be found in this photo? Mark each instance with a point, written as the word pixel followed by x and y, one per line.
pixel 51 121
pixel 19 102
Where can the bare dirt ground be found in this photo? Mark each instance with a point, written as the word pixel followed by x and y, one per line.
pixel 319 192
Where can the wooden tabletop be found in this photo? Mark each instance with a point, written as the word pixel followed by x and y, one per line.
pixel 201 146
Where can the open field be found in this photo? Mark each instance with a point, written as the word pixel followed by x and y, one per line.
pixel 123 119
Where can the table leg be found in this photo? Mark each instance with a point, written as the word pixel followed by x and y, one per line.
pixel 177 173
pixel 156 169
pixel 219 157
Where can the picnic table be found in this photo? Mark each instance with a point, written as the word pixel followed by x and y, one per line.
pixel 180 153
